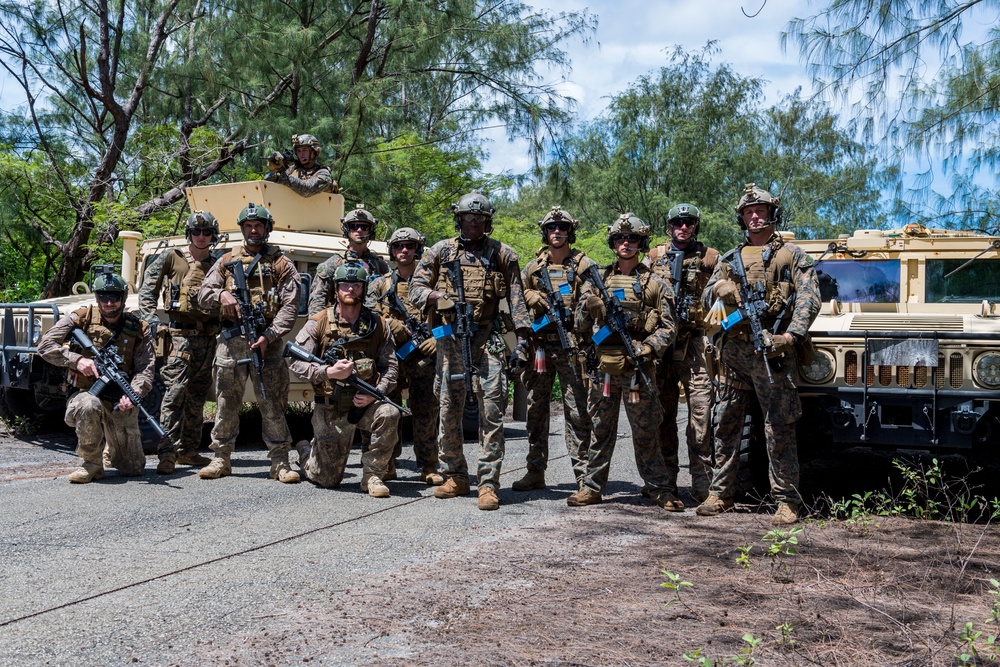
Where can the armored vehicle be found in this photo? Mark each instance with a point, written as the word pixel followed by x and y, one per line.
pixel 306 228
pixel 907 342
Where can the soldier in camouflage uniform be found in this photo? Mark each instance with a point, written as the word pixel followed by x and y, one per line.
pixel 359 229
pixel 187 373
pixel 490 273
pixel 274 282
pixel 110 417
pixel 359 343
pixel 417 358
pixel 565 266
pixel 304 176
pixel 793 302
pixel 687 362
pixel 647 302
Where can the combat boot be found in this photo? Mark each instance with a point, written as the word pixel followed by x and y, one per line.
pixel 281 471
pixel 88 472
pixel 192 458
pixel 532 480
pixel 432 477
pixel 488 498
pixel 303 448
pixel 452 488
pixel 785 515
pixel 713 505
pixel 216 468
pixel 167 464
pixel 670 502
pixel 585 496
pixel 375 488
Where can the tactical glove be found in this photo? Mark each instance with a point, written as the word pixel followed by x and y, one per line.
pixel 398 329
pixel 535 301
pixel 428 347
pixel 519 357
pixel 783 343
pixel 275 162
pixel 596 307
pixel 727 291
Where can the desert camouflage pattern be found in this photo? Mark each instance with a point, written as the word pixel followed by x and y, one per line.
pixel 97 424
pixel 322 292
pixel 305 182
pixel 333 437
pixel 177 267
pixel 187 376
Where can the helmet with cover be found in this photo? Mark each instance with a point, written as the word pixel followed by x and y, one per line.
pixel 473 202
pixel 754 195
pixel 306 140
pixel 252 213
pixel 557 215
pixel 107 283
pixel 629 223
pixel 351 271
pixel 202 220
pixel 359 214
pixel 404 234
pixel 682 212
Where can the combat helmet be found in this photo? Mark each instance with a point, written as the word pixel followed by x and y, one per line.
pixel 407 234
pixel 108 282
pixel 685 212
pixel 630 223
pixel 351 271
pixel 558 215
pixel 359 214
pixel 754 195
pixel 202 220
pixel 306 140
pixel 254 212
pixel 473 202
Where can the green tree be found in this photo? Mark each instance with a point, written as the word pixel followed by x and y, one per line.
pixel 157 95
pixel 877 55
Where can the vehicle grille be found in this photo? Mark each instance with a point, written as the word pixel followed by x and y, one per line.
pixel 951 368
pixel 893 322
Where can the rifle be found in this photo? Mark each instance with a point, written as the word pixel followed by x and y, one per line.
pixel 419 331
pixel 559 315
pixel 754 305
pixel 683 299
pixel 109 364
pixel 616 322
pixel 465 327
pixel 328 359
pixel 251 323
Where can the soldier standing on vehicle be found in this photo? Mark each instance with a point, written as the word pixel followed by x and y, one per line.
pixel 645 303
pixel 110 417
pixel 687 362
pixel 565 268
pixel 488 272
pixel 273 284
pixel 351 339
pixel 303 175
pixel 187 374
pixel 359 229
pixel 418 362
pixel 790 297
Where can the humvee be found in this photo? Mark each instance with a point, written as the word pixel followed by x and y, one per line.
pixel 907 342
pixel 306 228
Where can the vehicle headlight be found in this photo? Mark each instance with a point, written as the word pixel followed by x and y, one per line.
pixel 36 331
pixel 821 369
pixel 987 370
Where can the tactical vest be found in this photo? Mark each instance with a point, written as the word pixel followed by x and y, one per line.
pixel 180 294
pixel 402 288
pixel 359 346
pixel 699 263
pixel 642 319
pixel 482 278
pixel 264 284
pixel 772 265
pixel 125 338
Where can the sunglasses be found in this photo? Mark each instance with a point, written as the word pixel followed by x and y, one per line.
pixel 472 217
pixel 105 297
pixel 683 223
pixel 358 226
pixel 622 238
pixel 406 245
pixel 557 226
pixel 201 232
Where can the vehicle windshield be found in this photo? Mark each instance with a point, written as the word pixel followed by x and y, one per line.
pixel 859 281
pixel 979 280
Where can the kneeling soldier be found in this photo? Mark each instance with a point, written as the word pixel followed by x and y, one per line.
pixel 351 338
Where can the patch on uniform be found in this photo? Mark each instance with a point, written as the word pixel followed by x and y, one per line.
pixel 806 262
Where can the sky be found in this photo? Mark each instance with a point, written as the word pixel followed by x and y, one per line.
pixel 635 37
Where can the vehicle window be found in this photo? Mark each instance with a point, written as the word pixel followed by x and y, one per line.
pixel 859 281
pixel 979 280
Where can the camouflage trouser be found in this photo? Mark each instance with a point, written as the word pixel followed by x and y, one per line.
pixel 779 402
pixel 187 375
pixel 96 423
pixel 644 418
pixel 579 426
pixel 333 437
pixel 490 386
pixel 231 382
pixel 692 372
pixel 423 404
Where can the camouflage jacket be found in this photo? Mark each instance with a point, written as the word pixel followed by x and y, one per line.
pixel 322 294
pixel 305 182
pixel 575 270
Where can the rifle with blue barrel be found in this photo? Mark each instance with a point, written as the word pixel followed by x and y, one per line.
pixel 251 323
